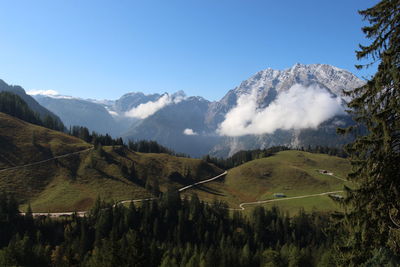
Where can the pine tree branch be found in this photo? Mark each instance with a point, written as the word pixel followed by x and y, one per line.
pixel 393 221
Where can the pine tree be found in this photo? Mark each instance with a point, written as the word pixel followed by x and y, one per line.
pixel 373 204
pixel 271 258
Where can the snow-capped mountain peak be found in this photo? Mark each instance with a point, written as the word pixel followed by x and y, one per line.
pixel 324 75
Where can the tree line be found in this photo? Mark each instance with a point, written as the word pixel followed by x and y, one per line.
pixel 244 156
pixel 15 106
pixel 168 232
pixel 143 146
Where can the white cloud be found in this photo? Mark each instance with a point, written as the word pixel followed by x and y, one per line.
pixel 147 109
pixel 42 92
pixel 112 113
pixel 49 93
pixel 188 131
pixel 298 108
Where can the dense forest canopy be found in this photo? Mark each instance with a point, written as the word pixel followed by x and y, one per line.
pixel 168 232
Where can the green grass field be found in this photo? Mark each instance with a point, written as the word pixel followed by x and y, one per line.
pixel 319 203
pixel 293 173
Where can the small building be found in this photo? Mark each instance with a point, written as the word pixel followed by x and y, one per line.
pixel 325 172
pixel 336 196
pixel 279 195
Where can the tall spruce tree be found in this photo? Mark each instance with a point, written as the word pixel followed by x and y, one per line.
pixel 373 204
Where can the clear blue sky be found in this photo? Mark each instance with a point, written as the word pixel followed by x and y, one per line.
pixel 103 49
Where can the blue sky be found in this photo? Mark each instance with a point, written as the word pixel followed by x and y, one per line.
pixel 103 49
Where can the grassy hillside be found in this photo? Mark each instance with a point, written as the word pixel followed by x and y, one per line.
pixel 116 173
pixel 75 181
pixel 22 143
pixel 293 173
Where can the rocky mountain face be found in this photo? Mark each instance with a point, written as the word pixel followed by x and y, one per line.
pixel 269 84
pixel 192 124
pixel 132 100
pixel 79 112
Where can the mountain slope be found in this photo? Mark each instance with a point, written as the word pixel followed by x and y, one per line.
pixel 81 112
pixel 30 101
pixel 74 181
pixel 268 85
pixel 270 82
pixel 293 173
pixel 167 127
pixel 132 100
pixel 23 143
pixel 205 117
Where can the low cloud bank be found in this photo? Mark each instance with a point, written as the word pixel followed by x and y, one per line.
pixel 188 131
pixel 112 112
pixel 42 92
pixel 298 108
pixel 147 109
pixel 49 93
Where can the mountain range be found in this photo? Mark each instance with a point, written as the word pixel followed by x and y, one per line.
pixel 299 106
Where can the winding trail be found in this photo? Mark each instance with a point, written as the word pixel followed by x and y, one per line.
pixel 241 205
pixel 202 182
pixel 46 160
pixel 82 213
pixel 179 190
pixel 56 214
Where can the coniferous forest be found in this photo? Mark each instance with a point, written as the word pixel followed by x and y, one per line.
pixel 168 232
pixel 15 106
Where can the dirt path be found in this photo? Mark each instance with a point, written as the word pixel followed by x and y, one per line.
pixel 241 205
pixel 82 213
pixel 179 190
pixel 202 182
pixel 46 160
pixel 56 214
